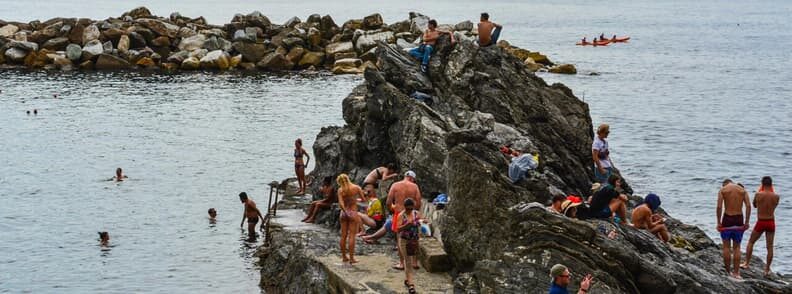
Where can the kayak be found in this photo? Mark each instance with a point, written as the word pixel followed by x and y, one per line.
pixel 620 40
pixel 598 43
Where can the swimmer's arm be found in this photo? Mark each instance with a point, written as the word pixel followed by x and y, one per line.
pixel 747 202
pixel 595 156
pixel 243 220
pixel 306 155
pixel 719 209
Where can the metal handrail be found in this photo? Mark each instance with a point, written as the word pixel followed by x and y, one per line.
pixel 272 209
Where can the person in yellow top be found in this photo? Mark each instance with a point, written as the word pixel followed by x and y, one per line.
pixel 374 217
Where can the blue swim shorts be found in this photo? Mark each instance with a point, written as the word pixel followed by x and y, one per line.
pixel 733 235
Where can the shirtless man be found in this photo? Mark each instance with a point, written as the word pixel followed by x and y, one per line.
pixel 119 177
pixel 383 173
pixel 765 201
pixel 429 37
pixel 488 31
pixel 252 214
pixel 731 224
pixel 401 190
pixel 644 217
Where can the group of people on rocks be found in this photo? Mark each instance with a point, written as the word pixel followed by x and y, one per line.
pixel 488 34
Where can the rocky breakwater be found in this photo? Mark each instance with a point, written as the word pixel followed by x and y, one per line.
pixel 139 40
pixel 497 234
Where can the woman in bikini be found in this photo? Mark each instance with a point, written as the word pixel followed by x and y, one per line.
pixel 299 165
pixel 381 173
pixel 350 221
pixel 409 227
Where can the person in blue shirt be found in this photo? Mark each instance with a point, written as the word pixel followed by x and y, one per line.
pixel 561 278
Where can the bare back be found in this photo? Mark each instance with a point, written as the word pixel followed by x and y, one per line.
pixel 374 175
pixel 642 217
pixel 485 31
pixel 733 197
pixel 250 209
pixel 402 190
pixel 349 196
pixel 766 203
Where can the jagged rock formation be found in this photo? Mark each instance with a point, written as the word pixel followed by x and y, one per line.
pixel 497 240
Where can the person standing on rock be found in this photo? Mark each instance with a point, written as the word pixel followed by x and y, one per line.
pixel 429 39
pixel 299 165
pixel 488 31
pixel 399 192
pixel 561 278
pixel 644 217
pixel 765 201
pixel 252 214
pixel 731 223
pixel 350 221
pixel 603 166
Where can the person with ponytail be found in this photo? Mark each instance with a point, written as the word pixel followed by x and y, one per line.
pixel 350 221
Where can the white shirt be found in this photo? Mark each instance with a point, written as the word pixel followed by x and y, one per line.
pixel 602 147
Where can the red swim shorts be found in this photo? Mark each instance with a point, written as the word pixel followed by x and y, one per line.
pixel 765 226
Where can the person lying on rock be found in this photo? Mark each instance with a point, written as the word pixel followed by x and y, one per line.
pixel 330 197
pixel 645 216
pixel 488 31
pixel 561 278
pixel 607 200
pixel 382 173
pixel 429 39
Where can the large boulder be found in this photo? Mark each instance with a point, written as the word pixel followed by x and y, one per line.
pixel 295 54
pixel 464 26
pixel 56 44
pixel 191 63
pixel 365 41
pixel 192 43
pixel 73 52
pixel 8 31
pixel 159 27
pixel 123 44
pixel 15 55
pixel 485 98
pixel 23 45
pixel 311 59
pixel 373 22
pixel 217 43
pixel 251 52
pixel 568 69
pixel 217 59
pixel 110 62
pixel 140 12
pixel 328 27
pixel 275 62
pixel 92 49
pixel 418 23
pixel 341 47
pixel 90 33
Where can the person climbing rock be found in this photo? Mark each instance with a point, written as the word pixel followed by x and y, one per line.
pixel 429 39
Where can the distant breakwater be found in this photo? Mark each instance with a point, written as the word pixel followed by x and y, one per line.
pixel 138 40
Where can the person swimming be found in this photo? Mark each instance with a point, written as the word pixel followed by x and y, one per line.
pixel 212 215
pixel 104 238
pixel 119 177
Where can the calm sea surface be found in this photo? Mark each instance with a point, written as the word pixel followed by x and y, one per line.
pixel 702 92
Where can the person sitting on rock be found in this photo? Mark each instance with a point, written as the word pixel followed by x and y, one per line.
pixel 382 173
pixel 561 278
pixel 488 32
pixel 374 217
pixel 429 38
pixel 555 206
pixel 607 201
pixel 645 216
pixel 569 208
pixel 330 197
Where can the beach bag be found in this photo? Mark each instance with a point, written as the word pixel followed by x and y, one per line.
pixel 520 166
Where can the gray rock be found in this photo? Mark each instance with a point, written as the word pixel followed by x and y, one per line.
pixel 404 44
pixel 56 44
pixel 178 57
pixel 216 59
pixel 123 44
pixel 191 63
pixel 419 23
pixel 373 22
pixel 275 62
pixel 15 55
pixel 136 40
pixel 23 45
pixel 92 49
pixel 198 53
pixel 340 47
pixel 185 32
pixel 328 27
pixel 90 33
pixel 215 43
pixel 368 40
pixel 107 48
pixel 314 18
pixel 251 52
pixel 110 62
pixel 192 43
pixel 292 22
pixel 139 12
pixel 464 26
pixel 73 52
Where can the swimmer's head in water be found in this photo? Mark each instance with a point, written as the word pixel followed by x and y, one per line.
pixel 767 181
pixel 104 236
pixel 212 212
pixel 726 182
pixel 298 143
pixel 243 197
pixel 327 181
pixel 119 171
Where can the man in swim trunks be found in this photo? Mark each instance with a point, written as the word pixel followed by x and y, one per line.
pixel 252 214
pixel 400 191
pixel 603 166
pixel 429 38
pixel 383 173
pixel 731 223
pixel 645 216
pixel 765 201
pixel 488 32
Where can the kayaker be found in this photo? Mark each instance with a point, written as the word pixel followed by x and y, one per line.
pixel 602 36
